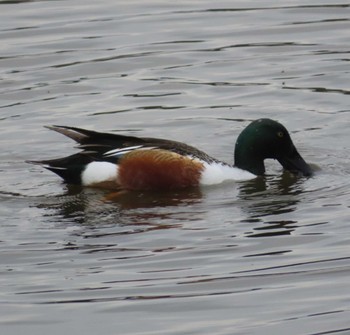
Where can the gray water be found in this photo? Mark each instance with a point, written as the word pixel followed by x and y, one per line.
pixel 269 256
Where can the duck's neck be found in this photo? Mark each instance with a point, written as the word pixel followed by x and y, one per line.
pixel 246 158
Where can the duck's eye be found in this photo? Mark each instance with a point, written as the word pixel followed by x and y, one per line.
pixel 280 134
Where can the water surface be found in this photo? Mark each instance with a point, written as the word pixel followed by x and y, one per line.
pixel 269 256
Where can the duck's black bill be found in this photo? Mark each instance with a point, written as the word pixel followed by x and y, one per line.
pixel 294 163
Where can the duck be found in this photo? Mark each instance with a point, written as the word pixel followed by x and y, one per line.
pixel 132 163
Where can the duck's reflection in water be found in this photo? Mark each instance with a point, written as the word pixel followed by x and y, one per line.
pixel 270 202
pixel 89 206
pixel 267 202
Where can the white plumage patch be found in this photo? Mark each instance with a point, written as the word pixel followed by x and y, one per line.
pixel 97 172
pixel 216 173
pixel 123 151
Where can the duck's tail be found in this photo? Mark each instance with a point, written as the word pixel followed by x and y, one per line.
pixel 69 168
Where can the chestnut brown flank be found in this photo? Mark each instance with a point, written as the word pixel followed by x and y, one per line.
pixel 159 170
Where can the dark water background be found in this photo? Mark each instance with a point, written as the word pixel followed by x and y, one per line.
pixel 261 257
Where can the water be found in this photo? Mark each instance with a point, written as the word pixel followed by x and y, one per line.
pixel 262 257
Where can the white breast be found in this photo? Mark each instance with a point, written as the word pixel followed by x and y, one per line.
pixel 216 173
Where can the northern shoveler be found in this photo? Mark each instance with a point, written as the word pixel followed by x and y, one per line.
pixel 135 163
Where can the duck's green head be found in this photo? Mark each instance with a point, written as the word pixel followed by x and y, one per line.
pixel 265 138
